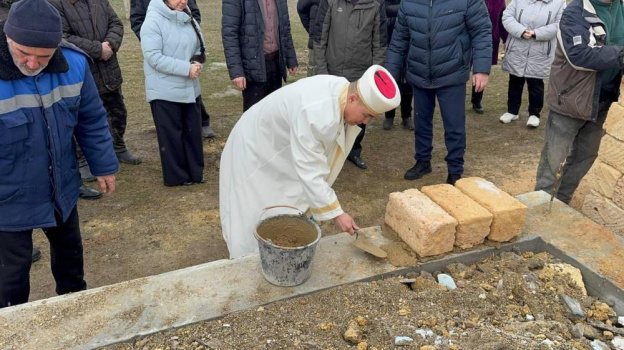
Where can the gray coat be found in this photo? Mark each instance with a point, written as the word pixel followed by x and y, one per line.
pixel 531 58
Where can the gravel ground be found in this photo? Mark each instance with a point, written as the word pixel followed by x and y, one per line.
pixel 509 301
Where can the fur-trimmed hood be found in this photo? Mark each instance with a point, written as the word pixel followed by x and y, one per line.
pixel 8 70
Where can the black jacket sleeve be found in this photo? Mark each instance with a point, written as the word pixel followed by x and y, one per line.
pixel 138 8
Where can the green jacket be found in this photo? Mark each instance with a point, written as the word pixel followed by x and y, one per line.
pixel 349 38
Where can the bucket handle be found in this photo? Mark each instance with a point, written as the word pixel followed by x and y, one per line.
pixel 279 206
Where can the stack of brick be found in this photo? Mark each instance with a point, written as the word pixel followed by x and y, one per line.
pixel 431 222
pixel 605 202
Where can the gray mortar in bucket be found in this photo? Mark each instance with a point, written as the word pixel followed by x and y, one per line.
pixel 282 265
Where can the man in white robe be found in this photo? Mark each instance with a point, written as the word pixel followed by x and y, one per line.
pixel 289 148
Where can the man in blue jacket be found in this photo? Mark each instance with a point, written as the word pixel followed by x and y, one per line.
pixel 438 38
pixel 47 95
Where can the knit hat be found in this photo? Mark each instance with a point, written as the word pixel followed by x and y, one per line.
pixel 34 23
pixel 378 90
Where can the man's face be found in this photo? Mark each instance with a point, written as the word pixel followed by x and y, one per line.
pixel 29 60
pixel 356 112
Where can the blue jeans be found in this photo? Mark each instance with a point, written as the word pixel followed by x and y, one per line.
pixel 452 100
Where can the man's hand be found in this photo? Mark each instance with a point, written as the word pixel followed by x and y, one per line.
pixel 480 81
pixel 345 223
pixel 107 51
pixel 240 82
pixel 107 184
pixel 292 70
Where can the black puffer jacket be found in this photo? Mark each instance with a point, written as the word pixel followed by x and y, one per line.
pixel 88 23
pixel 242 31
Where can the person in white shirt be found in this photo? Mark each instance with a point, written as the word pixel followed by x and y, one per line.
pixel 289 148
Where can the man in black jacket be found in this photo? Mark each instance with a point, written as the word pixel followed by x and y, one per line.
pixel 138 9
pixel 307 10
pixel 94 27
pixel 258 46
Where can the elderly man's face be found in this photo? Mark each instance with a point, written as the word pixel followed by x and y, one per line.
pixel 356 112
pixel 29 60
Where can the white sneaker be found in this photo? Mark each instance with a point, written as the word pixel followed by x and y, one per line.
pixel 508 118
pixel 533 122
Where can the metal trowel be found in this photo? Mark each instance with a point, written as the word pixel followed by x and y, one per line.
pixel 363 243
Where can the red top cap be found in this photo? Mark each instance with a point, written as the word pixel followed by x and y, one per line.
pixel 385 84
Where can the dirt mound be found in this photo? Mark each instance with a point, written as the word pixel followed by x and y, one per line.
pixel 509 301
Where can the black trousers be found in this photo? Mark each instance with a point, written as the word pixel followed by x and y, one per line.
pixel 257 91
pixel 357 145
pixel 476 97
pixel 178 129
pixel 66 260
pixel 117 118
pixel 514 94
pixel 407 96
pixel 205 117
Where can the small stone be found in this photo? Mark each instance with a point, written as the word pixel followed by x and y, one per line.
pixel 540 336
pixel 486 287
pixel 482 296
pixel 424 333
pixel 327 326
pixel 353 334
pixel 362 346
pixel 461 283
pixel 598 345
pixel 621 320
pixel 361 321
pixel 447 281
pixel 577 331
pixel 403 341
pixel 602 311
pixel 530 318
pixel 618 343
pixel 260 309
pixel 591 333
pixel 608 335
pixel 427 347
pixel 573 306
pixel 404 312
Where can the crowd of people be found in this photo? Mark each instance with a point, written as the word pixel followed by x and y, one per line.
pixel 63 117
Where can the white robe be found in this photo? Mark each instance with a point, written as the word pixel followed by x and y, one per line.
pixel 285 150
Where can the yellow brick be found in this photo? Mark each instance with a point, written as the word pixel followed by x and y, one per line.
pixel 421 223
pixel 612 152
pixel 614 125
pixel 603 211
pixel 602 178
pixel 473 220
pixel 509 213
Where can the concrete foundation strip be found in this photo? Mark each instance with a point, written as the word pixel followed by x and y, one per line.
pixel 116 313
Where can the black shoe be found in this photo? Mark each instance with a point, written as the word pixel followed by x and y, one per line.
pixel 36 254
pixel 85 174
pixel 478 108
pixel 89 193
pixel 207 132
pixel 387 123
pixel 417 171
pixel 407 123
pixel 452 178
pixel 129 158
pixel 357 161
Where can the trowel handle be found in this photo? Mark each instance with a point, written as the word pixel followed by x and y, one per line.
pixel 279 206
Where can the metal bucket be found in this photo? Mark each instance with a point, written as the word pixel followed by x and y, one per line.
pixel 282 265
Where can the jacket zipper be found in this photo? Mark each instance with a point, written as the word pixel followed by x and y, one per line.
pixel 568 89
pixel 429 38
pixel 549 15
pixel 520 16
